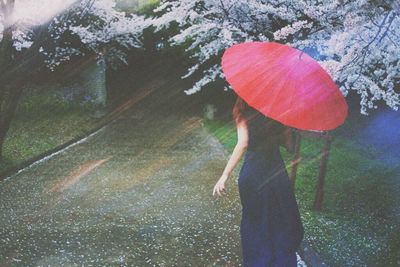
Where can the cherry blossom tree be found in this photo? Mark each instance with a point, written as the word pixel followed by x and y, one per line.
pixel 98 26
pixel 357 42
pixel 48 32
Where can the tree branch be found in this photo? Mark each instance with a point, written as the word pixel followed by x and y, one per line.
pixel 387 28
pixel 365 49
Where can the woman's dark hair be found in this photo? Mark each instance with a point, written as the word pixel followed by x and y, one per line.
pixel 280 131
pixel 239 108
pixel 243 111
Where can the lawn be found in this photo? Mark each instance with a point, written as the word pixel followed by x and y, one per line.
pixel 357 225
pixel 42 122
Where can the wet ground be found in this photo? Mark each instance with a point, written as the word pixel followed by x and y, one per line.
pixel 137 193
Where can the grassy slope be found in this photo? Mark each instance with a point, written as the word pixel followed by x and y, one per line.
pixel 42 122
pixel 357 226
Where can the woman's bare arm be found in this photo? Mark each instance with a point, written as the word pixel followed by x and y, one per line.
pixel 240 148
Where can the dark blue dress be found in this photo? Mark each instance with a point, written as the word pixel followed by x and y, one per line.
pixel 271 229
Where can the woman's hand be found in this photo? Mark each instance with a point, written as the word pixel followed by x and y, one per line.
pixel 220 185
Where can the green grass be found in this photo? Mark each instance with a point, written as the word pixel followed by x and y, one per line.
pixel 42 122
pixel 148 7
pixel 357 225
pixel 138 7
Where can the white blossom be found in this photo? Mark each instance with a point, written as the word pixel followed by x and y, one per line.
pixel 96 22
pixel 357 42
pixel 291 29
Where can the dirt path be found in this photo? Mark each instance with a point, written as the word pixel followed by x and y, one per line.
pixel 138 193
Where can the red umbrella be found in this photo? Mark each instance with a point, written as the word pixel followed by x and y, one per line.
pixel 284 84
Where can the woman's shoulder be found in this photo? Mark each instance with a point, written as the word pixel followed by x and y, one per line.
pixel 259 120
pixel 250 112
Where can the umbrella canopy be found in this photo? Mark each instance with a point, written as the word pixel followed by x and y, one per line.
pixel 284 84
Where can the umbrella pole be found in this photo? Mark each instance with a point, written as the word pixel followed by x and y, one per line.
pixel 319 194
pixel 296 158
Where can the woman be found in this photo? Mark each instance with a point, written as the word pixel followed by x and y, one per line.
pixel 271 229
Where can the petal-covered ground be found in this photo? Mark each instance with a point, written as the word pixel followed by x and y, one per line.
pixel 136 193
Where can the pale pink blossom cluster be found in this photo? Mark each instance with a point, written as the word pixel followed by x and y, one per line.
pixel 96 22
pixel 357 42
pixel 110 26
pixel 291 29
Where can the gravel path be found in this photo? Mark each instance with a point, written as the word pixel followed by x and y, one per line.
pixel 137 193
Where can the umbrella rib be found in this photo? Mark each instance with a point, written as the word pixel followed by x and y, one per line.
pixel 274 103
pixel 258 77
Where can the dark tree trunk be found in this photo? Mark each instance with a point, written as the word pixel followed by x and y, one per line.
pixel 9 95
pixel 13 74
pixel 9 104
pixel 15 68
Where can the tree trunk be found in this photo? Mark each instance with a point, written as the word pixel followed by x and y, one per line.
pixel 15 68
pixel 11 96
pixel 12 79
